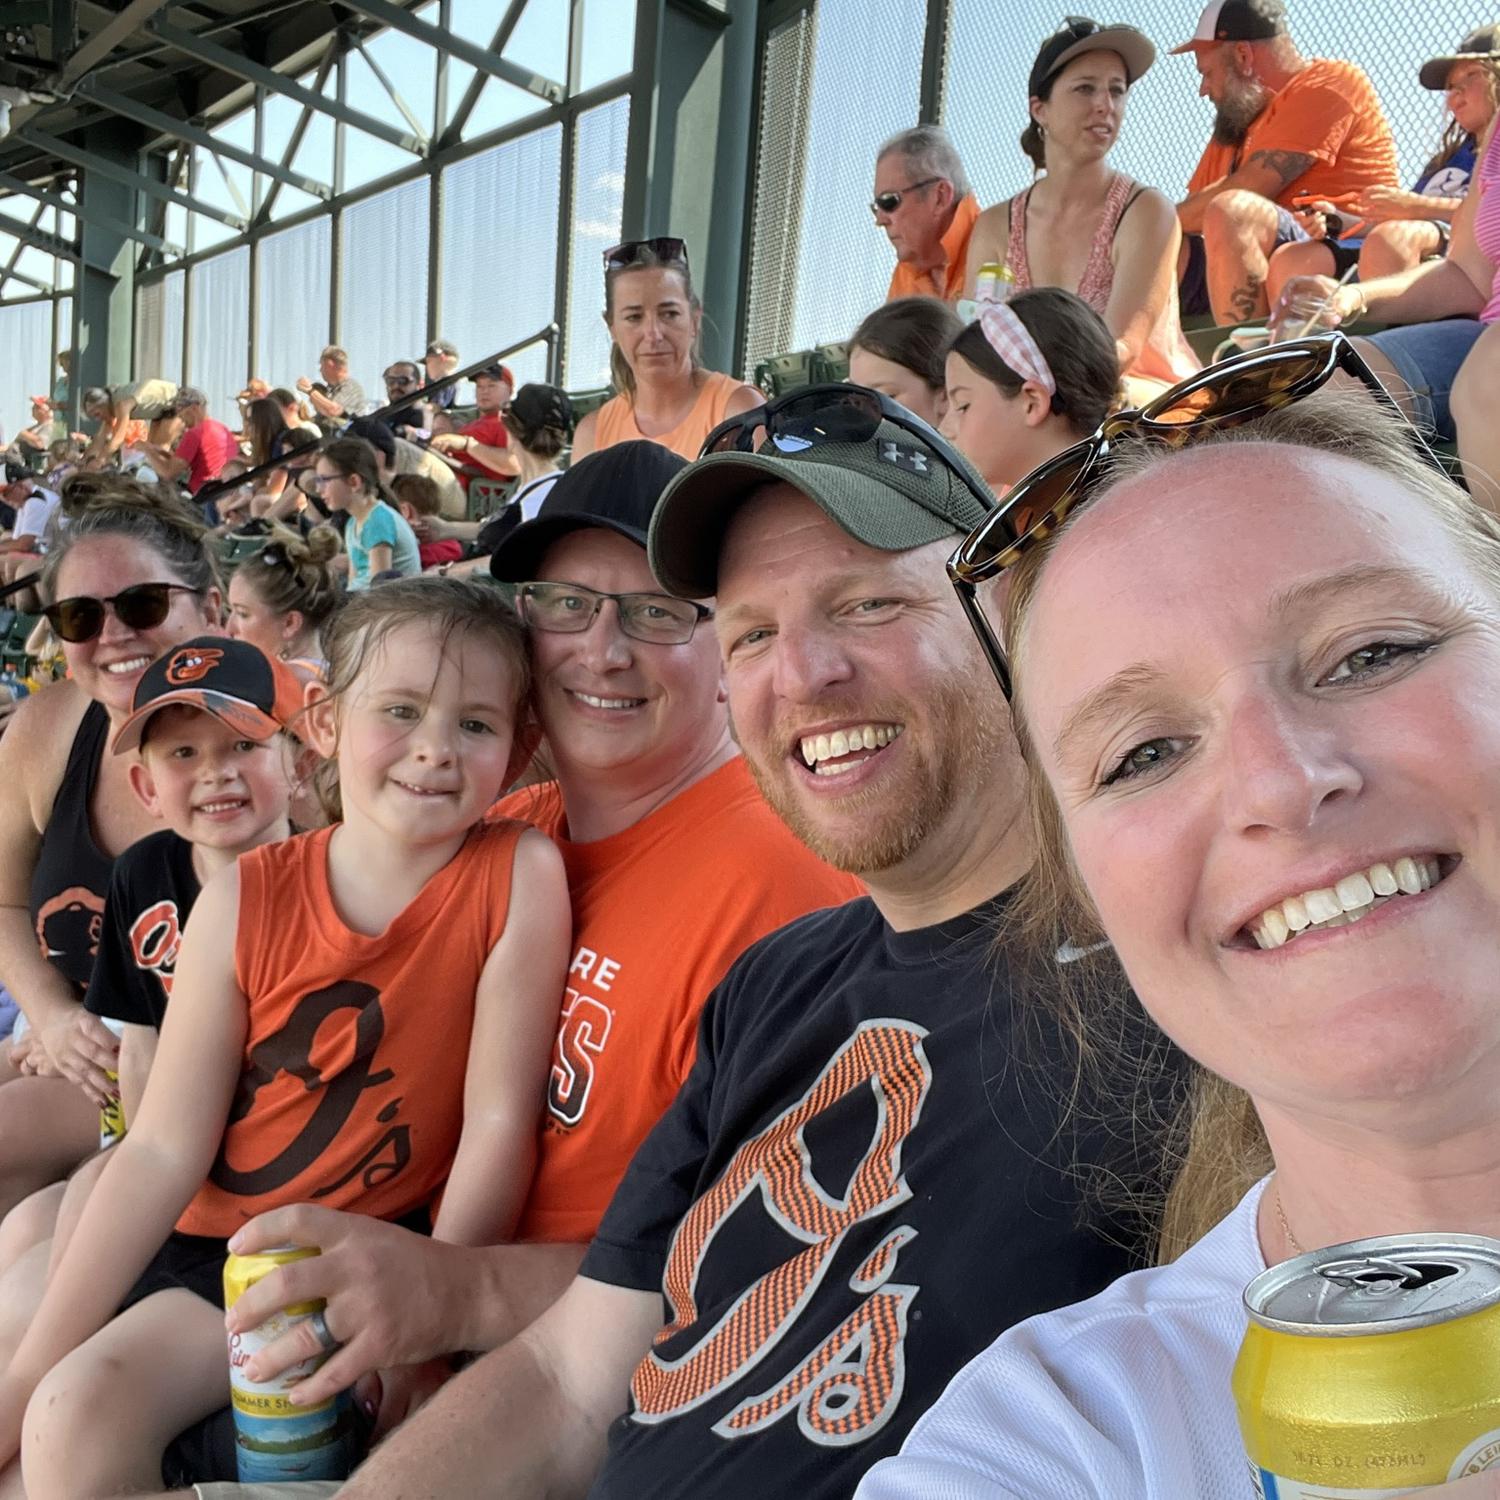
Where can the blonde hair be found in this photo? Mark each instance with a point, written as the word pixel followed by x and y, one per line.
pixel 454 608
pixel 1214 1146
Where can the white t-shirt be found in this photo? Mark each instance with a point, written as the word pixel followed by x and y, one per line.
pixel 35 512
pixel 530 496
pixel 1123 1397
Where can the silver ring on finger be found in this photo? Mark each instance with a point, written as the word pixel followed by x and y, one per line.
pixel 323 1333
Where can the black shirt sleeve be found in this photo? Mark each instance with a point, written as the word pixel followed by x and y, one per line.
pixel 662 1181
pixel 118 990
pixel 151 891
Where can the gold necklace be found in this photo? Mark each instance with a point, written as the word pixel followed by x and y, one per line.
pixel 1286 1228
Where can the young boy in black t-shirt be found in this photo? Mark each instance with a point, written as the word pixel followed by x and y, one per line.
pixel 211 722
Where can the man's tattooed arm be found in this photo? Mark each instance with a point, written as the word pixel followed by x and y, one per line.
pixel 1287 166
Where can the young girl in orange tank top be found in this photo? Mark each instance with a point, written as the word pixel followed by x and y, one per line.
pixel 360 1016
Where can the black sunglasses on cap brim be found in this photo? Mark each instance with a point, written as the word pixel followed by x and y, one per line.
pixel 1225 395
pixel 664 247
pixel 832 413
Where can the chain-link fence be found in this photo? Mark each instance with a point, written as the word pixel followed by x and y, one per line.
pixel 992 44
pixel 843 75
pixel 838 80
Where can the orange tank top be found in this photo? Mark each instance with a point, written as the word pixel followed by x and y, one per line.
pixel 616 420
pixel 352 1078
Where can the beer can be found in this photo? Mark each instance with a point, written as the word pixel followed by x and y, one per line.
pixel 274 1440
pixel 994 283
pixel 1372 1368
pixel 112 1114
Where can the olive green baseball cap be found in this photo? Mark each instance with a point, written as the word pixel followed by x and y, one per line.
pixel 892 492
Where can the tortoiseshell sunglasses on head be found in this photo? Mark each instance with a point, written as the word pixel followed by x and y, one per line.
pixel 1225 395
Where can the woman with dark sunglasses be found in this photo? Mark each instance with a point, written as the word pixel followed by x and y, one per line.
pixel 1256 678
pixel 1082 224
pixel 663 393
pixel 129 578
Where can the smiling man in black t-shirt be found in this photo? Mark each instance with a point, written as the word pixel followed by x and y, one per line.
pixel 863 1180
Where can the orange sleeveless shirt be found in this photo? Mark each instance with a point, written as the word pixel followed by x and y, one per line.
pixel 616 420
pixel 352 1081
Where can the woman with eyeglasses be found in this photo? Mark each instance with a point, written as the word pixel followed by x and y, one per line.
pixel 1027 379
pixel 1082 224
pixel 129 578
pixel 377 538
pixel 1254 653
pixel 663 392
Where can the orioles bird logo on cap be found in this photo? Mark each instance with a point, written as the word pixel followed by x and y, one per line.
pixel 192 664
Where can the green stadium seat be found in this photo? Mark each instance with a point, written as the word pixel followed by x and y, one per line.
pixel 785 372
pixel 234 549
pixel 586 401
pixel 15 628
pixel 830 364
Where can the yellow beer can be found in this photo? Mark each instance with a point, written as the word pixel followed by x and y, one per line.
pixel 1372 1368
pixel 274 1440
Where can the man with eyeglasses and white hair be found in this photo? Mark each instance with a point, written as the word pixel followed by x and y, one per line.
pixel 924 203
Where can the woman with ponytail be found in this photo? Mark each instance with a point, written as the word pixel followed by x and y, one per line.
pixel 664 393
pixel 1083 225
pixel 281 597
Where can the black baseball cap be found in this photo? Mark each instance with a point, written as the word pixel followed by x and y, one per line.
pixel 1478 45
pixel 1079 35
pixel 537 406
pixel 232 680
pixel 1236 21
pixel 495 371
pixel 893 493
pixel 616 488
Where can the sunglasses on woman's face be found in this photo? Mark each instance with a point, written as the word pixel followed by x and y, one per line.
pixel 665 247
pixel 143 606
pixel 1225 395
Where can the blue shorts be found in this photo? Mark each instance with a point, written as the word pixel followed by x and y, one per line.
pixel 1427 357
pixel 1192 290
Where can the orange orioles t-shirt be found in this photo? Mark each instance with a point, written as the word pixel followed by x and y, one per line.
pixel 660 911
pixel 351 1093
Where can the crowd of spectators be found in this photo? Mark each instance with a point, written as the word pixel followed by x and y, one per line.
pixel 582 878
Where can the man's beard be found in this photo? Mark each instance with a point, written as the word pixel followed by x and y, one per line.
pixel 893 821
pixel 1244 100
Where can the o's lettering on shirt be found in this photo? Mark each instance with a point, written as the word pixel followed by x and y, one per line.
pixel 848 1388
pixel 581 1034
pixel 155 937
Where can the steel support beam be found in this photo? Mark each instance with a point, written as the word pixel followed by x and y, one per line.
pixel 454 130
pixel 155 242
pixel 126 178
pixel 238 66
pixel 105 40
pixel 194 135
pixel 477 57
pixel 39 239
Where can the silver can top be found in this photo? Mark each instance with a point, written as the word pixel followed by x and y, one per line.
pixel 1381 1285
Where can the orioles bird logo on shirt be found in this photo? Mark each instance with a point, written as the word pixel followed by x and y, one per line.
pixel 193 664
